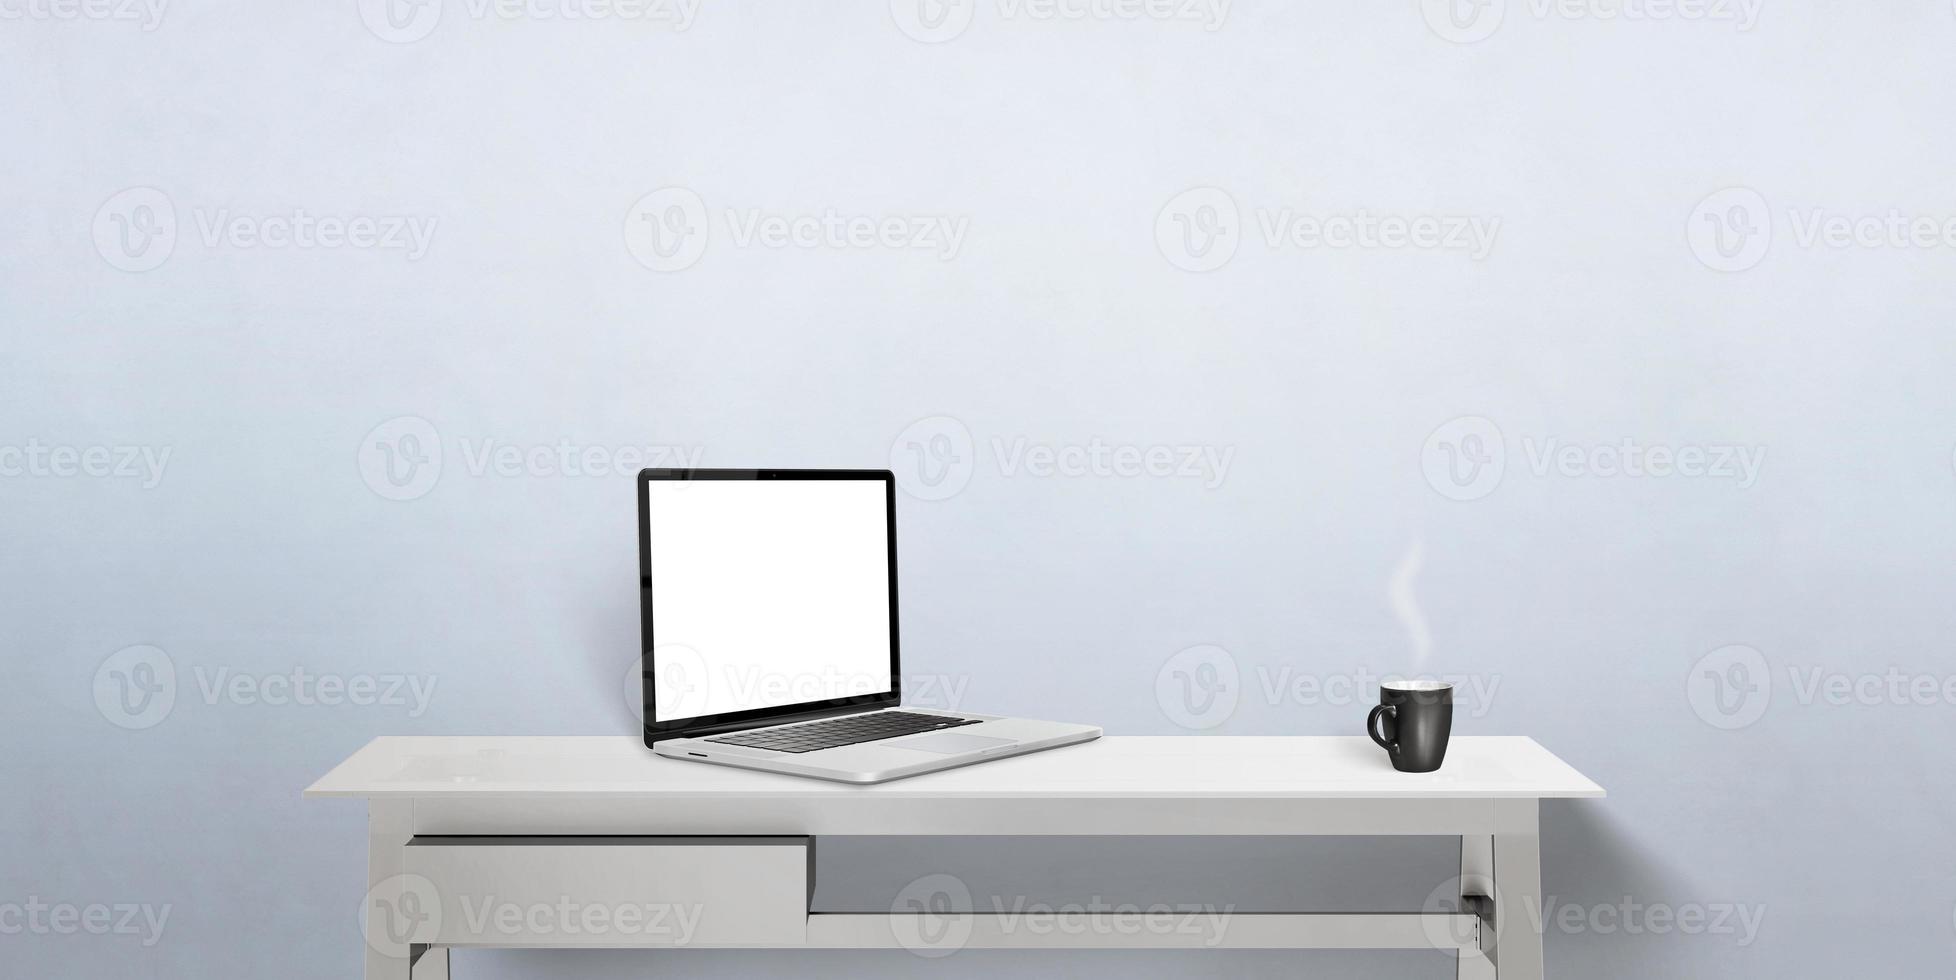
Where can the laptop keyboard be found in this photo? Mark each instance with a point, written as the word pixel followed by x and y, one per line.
pixel 833 732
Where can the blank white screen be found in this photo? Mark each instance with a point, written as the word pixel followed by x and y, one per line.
pixel 767 593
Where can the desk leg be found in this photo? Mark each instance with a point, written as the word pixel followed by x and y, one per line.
pixel 430 963
pixel 1502 874
pixel 1518 906
pixel 1477 895
pixel 389 826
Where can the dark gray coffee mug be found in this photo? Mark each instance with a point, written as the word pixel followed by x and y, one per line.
pixel 1412 723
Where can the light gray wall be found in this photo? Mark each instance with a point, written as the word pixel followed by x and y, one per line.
pixel 1590 609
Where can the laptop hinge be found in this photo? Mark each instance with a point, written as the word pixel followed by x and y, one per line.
pixel 702 731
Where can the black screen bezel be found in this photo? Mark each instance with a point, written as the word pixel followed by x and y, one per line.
pixel 683 727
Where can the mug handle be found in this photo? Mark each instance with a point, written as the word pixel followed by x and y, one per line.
pixel 1372 725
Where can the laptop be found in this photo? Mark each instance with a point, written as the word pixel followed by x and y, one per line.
pixel 768 601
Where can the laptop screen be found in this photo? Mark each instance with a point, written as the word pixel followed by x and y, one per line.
pixel 767 592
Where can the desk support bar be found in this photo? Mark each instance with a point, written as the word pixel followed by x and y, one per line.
pixel 947 932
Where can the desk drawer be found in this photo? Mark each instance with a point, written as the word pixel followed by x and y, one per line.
pixel 613 891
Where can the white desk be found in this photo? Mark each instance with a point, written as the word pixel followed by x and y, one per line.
pixel 581 842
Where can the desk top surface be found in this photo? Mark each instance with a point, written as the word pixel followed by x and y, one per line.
pixel 1144 767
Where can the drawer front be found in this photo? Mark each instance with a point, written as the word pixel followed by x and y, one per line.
pixel 612 891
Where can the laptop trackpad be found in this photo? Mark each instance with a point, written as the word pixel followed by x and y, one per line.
pixel 948 743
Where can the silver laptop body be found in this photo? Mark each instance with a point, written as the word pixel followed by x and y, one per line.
pixel 768 602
